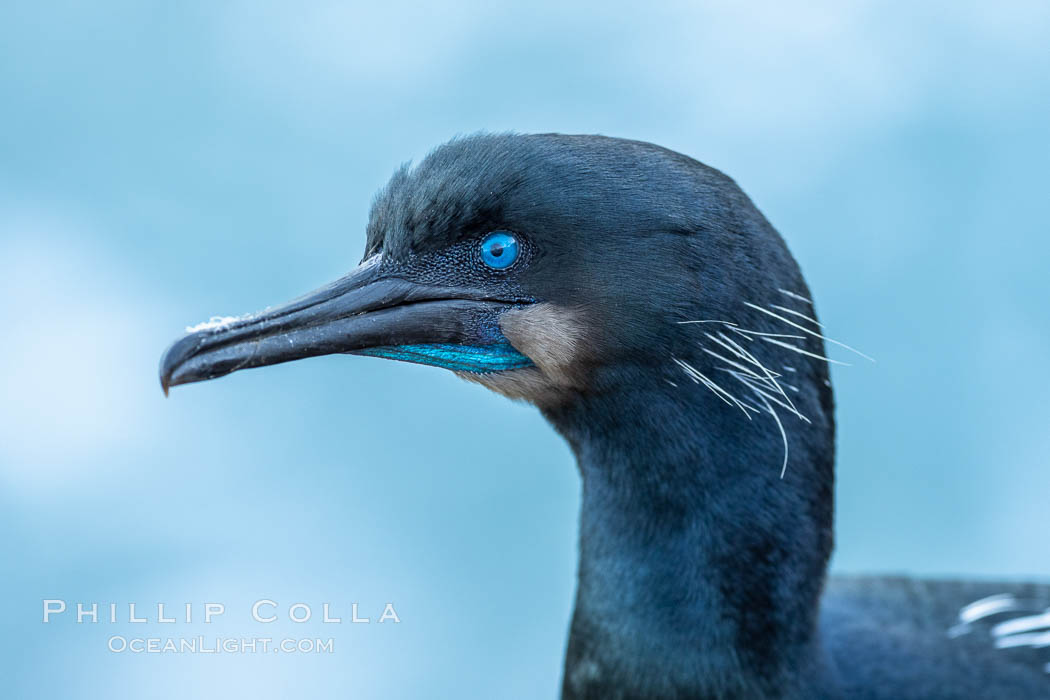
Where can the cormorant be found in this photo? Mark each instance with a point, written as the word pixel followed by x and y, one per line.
pixel 657 320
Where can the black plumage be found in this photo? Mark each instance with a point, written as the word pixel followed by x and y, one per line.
pixel 671 341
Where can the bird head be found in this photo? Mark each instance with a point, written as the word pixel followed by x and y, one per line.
pixel 545 267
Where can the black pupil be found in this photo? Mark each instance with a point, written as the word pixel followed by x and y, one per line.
pixel 496 250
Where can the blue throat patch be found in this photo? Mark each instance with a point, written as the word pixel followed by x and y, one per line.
pixel 460 358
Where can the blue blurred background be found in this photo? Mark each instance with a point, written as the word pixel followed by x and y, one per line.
pixel 164 162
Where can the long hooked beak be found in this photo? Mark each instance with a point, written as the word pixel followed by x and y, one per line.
pixel 363 313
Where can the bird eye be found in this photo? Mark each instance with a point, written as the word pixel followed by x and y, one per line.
pixel 499 250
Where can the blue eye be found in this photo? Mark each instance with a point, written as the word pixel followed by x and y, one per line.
pixel 499 250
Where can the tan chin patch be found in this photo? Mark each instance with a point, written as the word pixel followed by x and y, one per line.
pixel 526 384
pixel 552 337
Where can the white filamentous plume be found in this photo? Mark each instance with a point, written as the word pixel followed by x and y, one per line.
pixel 1031 630
pixel 807 353
pixel 799 314
pixel 213 324
pixel 992 605
pixel 761 384
pixel 780 425
pixel 980 609
pixel 1022 630
pixel 795 296
pixel 806 330
pixel 721 393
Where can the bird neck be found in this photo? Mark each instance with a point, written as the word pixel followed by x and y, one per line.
pixel 700 567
